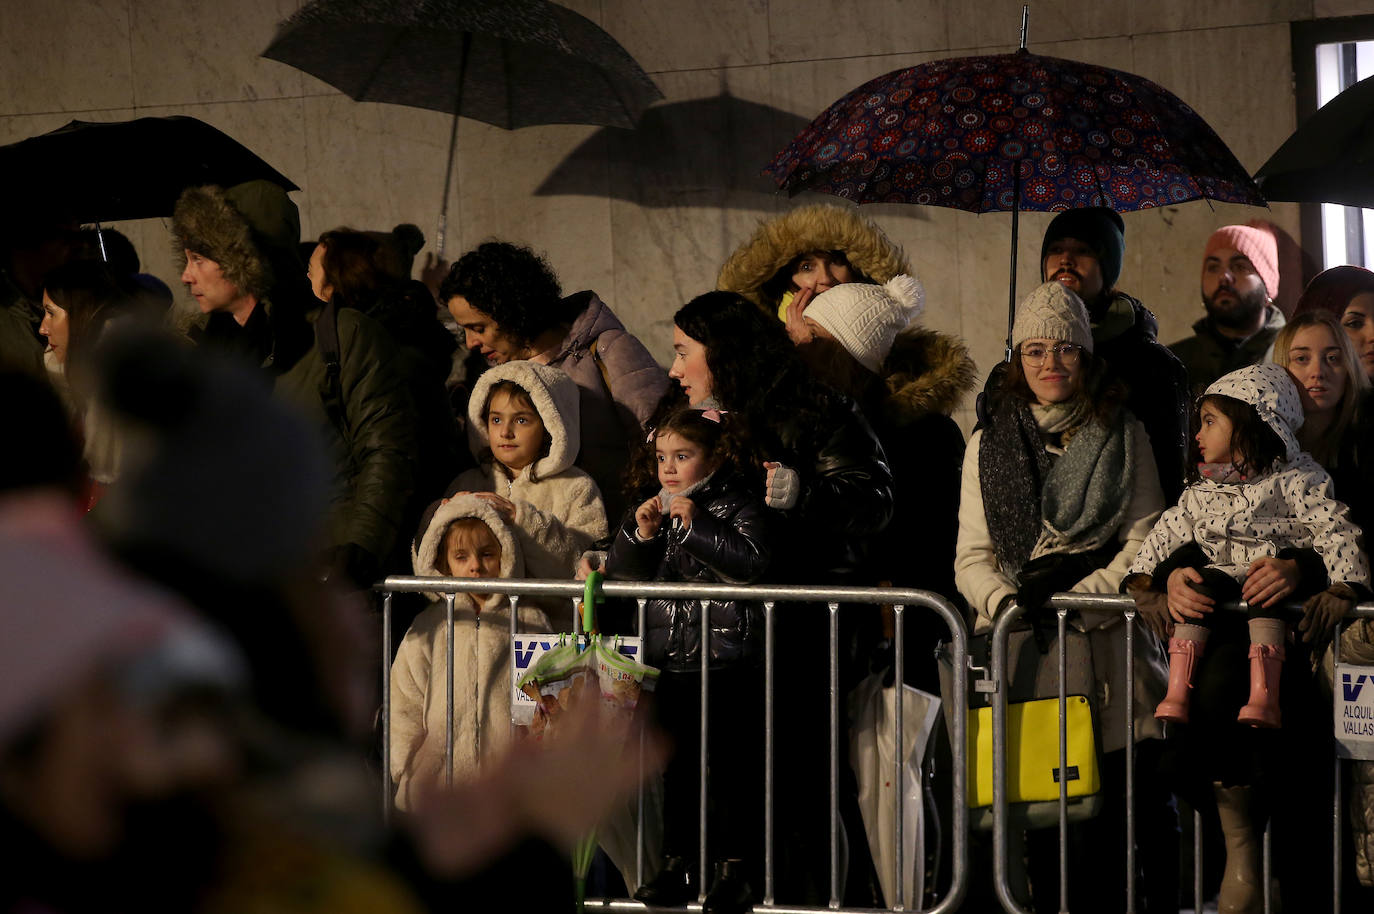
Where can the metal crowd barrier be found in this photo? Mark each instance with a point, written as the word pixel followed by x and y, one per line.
pixel 900 599
pixel 1063 604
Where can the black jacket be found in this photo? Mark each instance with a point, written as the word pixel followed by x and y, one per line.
pixel 729 542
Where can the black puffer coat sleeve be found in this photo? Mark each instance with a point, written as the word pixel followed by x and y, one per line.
pixel 632 560
pixel 847 488
pixel 736 551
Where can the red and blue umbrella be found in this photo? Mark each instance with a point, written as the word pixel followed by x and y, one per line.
pixel 1011 132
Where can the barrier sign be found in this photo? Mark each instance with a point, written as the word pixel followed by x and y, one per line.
pixel 528 648
pixel 1354 711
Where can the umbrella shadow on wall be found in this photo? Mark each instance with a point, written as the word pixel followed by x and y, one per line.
pixel 702 152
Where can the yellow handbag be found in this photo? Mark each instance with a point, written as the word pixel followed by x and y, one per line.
pixel 1033 752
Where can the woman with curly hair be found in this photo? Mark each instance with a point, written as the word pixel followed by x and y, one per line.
pixel 509 305
pixel 824 472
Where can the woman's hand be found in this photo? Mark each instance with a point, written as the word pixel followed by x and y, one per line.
pixel 797 330
pixel 683 510
pixel 647 518
pixel 1269 580
pixel 1185 603
pixel 504 506
pixel 781 486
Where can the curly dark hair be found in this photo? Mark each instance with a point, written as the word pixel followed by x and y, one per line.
pixel 1255 447
pixel 1100 385
pixel 720 441
pixel 514 286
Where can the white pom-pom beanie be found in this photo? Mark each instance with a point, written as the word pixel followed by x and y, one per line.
pixel 866 318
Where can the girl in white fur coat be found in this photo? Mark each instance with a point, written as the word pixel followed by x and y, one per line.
pixel 464 537
pixel 523 427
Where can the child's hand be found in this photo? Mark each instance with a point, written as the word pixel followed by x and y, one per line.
pixel 683 509
pixel 647 518
pixel 503 505
pixel 1269 580
pixel 1185 603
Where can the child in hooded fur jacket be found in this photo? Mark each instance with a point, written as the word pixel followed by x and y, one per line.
pixel 463 537
pixel 524 430
pixel 707 524
pixel 1258 495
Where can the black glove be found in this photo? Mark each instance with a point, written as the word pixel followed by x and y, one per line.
pixel 1045 576
pixel 1321 612
pixel 1153 609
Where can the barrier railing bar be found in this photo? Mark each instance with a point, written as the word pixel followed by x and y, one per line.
pixel 639 819
pixel 1001 626
pixel 1336 822
pixel 899 778
pixel 705 652
pixel 1197 860
pixel 835 755
pixel 833 596
pixel 386 709
pixel 769 647
pixel 1130 761
pixel 1061 624
pixel 1268 876
pixel 448 690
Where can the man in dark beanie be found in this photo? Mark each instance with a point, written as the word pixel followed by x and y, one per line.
pixel 243 268
pixel 1083 250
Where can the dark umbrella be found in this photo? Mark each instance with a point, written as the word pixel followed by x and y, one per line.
pixel 1330 158
pixel 509 63
pixel 1008 132
pixel 107 171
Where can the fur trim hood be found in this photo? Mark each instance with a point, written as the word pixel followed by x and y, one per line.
pixel 819 227
pixel 926 372
pixel 1270 390
pixel 251 230
pixel 424 556
pixel 556 399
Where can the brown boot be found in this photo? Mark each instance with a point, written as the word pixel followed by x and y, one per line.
pixel 1242 881
pixel 1184 648
pixel 1266 665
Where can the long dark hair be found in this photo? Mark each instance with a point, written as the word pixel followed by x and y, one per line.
pixel 353 266
pixel 1255 447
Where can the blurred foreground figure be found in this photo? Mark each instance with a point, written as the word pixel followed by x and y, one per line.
pixel 152 762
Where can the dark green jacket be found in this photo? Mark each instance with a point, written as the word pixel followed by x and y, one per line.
pixel 1208 355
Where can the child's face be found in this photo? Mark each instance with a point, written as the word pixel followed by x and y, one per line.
pixel 1214 435
pixel 515 431
pixel 471 551
pixel 680 462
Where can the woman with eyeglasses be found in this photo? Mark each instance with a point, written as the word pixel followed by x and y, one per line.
pixel 1059 490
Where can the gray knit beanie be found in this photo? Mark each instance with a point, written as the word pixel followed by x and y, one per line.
pixel 1052 312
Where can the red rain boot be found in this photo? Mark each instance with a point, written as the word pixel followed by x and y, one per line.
pixel 1266 665
pixel 1184 648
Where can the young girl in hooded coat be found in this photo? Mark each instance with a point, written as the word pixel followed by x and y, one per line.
pixel 523 427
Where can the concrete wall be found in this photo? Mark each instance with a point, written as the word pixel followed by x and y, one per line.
pixel 646 219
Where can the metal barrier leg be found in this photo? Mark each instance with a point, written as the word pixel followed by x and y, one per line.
pixel 1336 840
pixel 834 755
pixel 1268 874
pixel 448 692
pixel 769 648
pixel 705 861
pixel 639 819
pixel 386 708
pixel 1130 761
pixel 899 778
pixel 1000 629
pixel 1197 862
pixel 1061 619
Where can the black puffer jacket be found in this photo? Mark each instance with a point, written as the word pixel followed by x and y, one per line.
pixel 729 542
pixel 846 485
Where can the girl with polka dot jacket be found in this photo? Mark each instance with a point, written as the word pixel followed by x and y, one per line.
pixel 1258 497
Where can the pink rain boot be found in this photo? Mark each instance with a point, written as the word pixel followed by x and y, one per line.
pixel 1266 665
pixel 1184 648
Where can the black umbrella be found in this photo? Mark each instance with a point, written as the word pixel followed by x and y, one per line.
pixel 509 63
pixel 107 171
pixel 1330 158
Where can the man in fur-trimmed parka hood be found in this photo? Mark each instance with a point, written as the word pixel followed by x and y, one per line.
pixel 241 265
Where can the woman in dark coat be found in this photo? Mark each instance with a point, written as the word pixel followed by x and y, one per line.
pixel 824 472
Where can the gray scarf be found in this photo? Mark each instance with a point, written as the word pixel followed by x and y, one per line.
pixel 1088 488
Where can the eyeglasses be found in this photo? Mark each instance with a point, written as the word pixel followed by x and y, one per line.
pixel 1034 354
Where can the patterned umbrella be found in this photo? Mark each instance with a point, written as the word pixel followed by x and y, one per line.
pixel 509 63
pixel 1009 132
